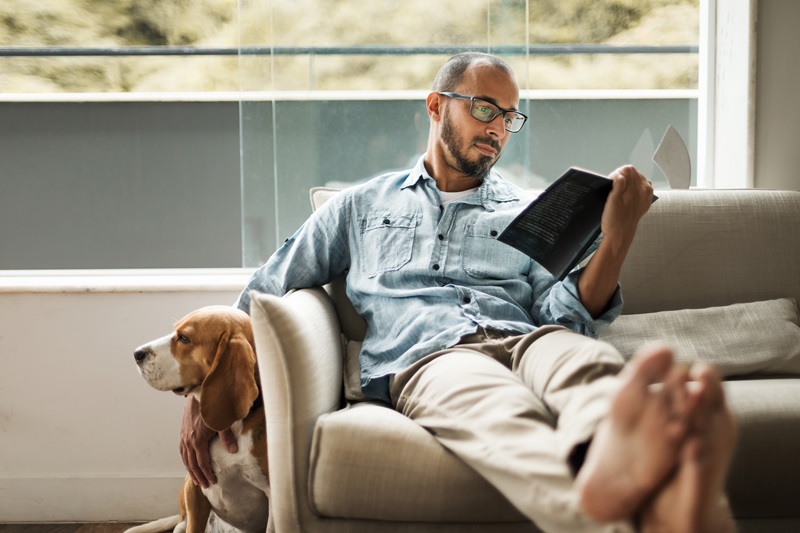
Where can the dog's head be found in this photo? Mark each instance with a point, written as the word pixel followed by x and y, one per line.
pixel 211 354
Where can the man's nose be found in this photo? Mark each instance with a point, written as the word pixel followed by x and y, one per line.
pixel 496 128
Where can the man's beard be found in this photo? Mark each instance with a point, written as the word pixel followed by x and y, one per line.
pixel 474 169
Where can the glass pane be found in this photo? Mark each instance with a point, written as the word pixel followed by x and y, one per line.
pixel 600 80
pixel 100 46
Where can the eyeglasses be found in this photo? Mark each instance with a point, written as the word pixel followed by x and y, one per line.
pixel 487 112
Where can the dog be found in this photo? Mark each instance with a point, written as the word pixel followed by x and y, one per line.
pixel 211 355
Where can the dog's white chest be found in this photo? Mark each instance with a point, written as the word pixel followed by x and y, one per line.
pixel 239 497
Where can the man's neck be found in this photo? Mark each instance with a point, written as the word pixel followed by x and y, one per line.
pixel 447 178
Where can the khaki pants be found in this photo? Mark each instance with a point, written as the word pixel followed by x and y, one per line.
pixel 514 408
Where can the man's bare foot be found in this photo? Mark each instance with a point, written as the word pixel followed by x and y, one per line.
pixel 693 500
pixel 637 446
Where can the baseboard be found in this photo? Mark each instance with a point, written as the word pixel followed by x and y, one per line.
pixel 88 499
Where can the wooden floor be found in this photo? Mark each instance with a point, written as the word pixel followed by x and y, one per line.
pixel 107 527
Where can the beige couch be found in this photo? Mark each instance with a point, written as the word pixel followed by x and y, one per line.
pixel 345 466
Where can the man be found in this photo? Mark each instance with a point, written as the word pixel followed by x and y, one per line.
pixel 482 347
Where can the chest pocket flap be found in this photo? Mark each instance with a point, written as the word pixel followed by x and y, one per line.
pixel 486 257
pixel 388 240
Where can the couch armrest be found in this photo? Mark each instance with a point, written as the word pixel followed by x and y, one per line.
pixel 299 350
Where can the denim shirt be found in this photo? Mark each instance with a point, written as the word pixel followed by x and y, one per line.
pixel 424 275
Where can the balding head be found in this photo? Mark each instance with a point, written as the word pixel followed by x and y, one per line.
pixel 452 72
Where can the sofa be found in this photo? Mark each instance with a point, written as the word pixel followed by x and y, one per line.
pixel 714 272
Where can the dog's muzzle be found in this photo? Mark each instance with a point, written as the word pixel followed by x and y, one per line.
pixel 141 354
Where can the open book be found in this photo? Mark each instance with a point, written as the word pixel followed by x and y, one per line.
pixel 561 227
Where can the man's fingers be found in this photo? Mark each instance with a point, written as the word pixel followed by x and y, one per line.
pixel 229 440
pixel 621 182
pixel 194 441
pixel 203 461
pixel 190 462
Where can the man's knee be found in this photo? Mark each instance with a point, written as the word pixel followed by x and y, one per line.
pixel 460 381
pixel 564 358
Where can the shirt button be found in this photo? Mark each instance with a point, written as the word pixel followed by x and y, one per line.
pixel 493 233
pixel 386 221
pixel 466 300
pixel 436 266
pixel 441 237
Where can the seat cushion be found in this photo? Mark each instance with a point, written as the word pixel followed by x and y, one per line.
pixel 763 476
pixel 370 462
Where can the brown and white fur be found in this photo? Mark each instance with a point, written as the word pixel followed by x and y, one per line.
pixel 211 355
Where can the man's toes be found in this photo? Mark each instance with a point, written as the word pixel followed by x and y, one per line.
pixel 675 404
pixel 709 386
pixel 674 391
pixel 651 364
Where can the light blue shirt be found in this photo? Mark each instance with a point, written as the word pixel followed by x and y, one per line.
pixel 424 275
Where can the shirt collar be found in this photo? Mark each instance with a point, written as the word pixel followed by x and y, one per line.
pixel 494 189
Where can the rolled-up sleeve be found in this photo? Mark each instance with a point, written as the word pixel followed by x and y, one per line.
pixel 559 303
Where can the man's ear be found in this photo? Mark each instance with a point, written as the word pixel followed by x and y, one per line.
pixel 434 106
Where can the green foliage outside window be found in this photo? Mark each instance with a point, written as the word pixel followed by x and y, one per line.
pixel 341 23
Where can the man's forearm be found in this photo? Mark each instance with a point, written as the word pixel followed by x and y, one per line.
pixel 599 278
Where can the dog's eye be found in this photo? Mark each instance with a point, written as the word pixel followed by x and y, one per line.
pixel 183 339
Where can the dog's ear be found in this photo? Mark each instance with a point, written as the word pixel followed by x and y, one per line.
pixel 230 387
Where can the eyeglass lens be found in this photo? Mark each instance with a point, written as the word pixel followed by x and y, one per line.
pixel 486 112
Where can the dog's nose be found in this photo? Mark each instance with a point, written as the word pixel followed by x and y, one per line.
pixel 140 355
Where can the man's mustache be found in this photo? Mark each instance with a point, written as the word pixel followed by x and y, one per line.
pixel 488 141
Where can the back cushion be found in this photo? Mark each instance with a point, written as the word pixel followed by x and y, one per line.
pixel 703 248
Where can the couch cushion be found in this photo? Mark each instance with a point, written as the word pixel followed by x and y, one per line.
pixel 740 339
pixel 370 462
pixel 702 248
pixel 763 478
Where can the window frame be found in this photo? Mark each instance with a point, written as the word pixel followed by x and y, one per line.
pixel 727 85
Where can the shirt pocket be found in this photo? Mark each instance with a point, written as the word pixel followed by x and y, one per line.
pixel 388 241
pixel 485 257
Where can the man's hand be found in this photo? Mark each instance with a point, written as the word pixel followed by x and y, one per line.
pixel 194 443
pixel 630 198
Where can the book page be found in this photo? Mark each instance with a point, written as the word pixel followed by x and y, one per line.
pixel 548 219
pixel 558 226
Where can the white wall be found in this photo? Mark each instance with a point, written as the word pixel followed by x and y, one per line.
pixel 82 436
pixel 777 157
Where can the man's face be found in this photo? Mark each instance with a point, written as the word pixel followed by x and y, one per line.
pixel 472 165
pixel 472 146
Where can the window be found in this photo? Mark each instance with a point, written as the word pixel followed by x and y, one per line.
pixel 600 81
pixel 217 117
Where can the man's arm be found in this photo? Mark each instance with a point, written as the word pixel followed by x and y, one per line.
pixel 317 253
pixel 630 198
pixel 194 440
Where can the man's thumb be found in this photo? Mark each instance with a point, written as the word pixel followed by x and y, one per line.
pixel 229 441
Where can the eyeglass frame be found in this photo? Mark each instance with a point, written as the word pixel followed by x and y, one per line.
pixel 501 111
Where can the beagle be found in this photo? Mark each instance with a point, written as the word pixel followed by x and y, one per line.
pixel 210 355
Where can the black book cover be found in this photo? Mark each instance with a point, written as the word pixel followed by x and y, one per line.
pixel 562 226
